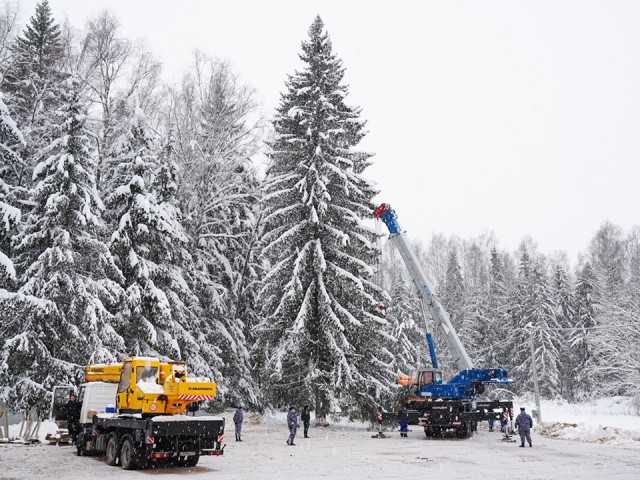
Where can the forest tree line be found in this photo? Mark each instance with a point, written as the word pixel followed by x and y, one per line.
pixel 134 222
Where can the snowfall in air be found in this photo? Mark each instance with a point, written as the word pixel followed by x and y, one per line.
pixel 598 440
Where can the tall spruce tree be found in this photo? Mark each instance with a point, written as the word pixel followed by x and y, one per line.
pixel 149 245
pixel 323 335
pixel 563 297
pixel 34 87
pixel 62 261
pixel 582 340
pixel 196 336
pixel 453 298
pixel 534 308
pixel 608 260
pixel 498 327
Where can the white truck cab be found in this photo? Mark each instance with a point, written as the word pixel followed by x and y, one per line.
pixel 96 397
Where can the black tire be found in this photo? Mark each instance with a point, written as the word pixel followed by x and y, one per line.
pixel 126 454
pixel 111 453
pixel 464 431
pixel 192 461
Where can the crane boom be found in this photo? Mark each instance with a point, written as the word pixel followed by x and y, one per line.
pixel 385 213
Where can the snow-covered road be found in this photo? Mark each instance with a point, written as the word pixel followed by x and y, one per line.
pixel 348 451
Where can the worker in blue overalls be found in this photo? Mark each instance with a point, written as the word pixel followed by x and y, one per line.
pixel 404 424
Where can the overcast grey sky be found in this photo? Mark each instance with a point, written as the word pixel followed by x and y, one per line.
pixel 520 117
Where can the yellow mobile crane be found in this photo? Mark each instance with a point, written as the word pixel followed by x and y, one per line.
pixel 133 413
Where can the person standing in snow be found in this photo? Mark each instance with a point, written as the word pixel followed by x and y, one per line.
pixel 306 419
pixel 238 418
pixel 292 423
pixel 72 413
pixel 524 424
pixel 404 424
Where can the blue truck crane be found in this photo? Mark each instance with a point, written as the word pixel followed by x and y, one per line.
pixel 443 406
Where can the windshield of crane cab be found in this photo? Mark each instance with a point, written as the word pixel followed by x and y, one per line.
pixel 147 374
pixel 125 377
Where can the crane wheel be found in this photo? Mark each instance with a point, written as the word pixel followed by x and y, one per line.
pixel 111 453
pixel 126 454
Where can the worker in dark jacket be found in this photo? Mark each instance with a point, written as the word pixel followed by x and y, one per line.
pixel 524 424
pixel 292 423
pixel 71 411
pixel 238 418
pixel 306 419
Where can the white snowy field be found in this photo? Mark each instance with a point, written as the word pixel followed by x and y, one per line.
pixel 605 443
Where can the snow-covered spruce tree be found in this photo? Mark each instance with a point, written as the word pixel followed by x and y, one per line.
pixel 27 370
pixel 323 336
pixel 582 338
pixel 31 340
pixel 34 86
pixel 534 307
pixel 453 297
pixel 196 337
pixel 220 198
pixel 158 314
pixel 563 297
pixel 476 329
pixel 10 214
pixel 62 261
pixel 142 235
pixel 498 314
pixel 407 327
pixel 607 256
pixel 452 293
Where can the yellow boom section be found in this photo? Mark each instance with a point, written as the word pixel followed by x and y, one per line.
pixel 103 373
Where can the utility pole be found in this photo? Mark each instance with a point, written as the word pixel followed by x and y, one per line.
pixel 535 376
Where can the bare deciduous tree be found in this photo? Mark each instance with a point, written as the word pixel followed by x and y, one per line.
pixel 114 69
pixel 8 17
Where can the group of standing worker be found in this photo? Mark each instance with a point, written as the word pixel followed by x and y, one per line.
pixel 292 423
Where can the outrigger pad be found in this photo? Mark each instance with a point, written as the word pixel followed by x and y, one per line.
pixel 382 435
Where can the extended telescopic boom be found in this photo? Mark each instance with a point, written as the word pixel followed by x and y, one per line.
pixel 385 213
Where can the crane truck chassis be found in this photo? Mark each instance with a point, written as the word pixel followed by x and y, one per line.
pixel 134 413
pixel 138 442
pixel 440 406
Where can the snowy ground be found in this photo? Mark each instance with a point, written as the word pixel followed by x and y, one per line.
pixel 604 443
